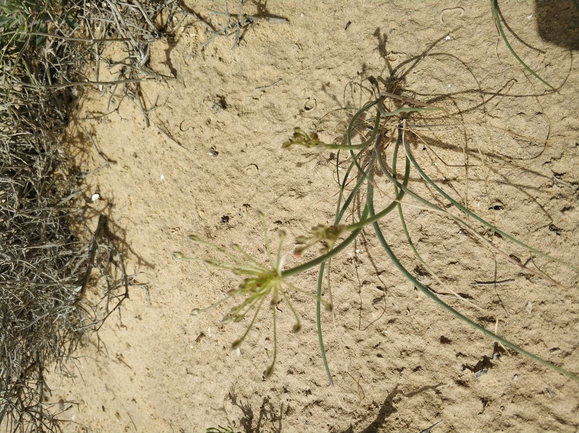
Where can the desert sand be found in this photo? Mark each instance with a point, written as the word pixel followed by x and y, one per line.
pixel 207 157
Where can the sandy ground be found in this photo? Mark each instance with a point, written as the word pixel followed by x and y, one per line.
pixel 211 156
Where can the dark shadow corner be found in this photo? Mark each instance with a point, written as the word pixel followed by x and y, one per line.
pixel 558 22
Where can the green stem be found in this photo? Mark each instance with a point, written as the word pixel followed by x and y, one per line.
pixel 341 209
pixel 495 8
pixel 319 323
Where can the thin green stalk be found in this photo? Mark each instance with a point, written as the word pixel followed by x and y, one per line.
pixel 341 209
pixel 349 240
pixel 396 191
pixel 495 8
pixel 339 214
pixel 319 323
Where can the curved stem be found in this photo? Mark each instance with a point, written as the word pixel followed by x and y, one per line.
pixel 319 324
pixel 495 8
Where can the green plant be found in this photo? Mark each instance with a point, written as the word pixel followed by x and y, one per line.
pixel 372 150
pixel 381 158
pixel 378 144
pixel 18 20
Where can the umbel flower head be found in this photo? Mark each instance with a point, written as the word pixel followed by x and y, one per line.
pixel 302 138
pixel 261 282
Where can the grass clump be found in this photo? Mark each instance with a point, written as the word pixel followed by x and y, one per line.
pixel 41 259
pixel 60 278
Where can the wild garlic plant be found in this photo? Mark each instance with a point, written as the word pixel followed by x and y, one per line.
pixel 380 156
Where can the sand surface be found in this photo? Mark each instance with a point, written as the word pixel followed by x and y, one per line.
pixel 209 157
